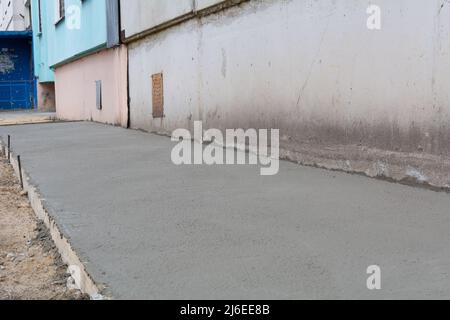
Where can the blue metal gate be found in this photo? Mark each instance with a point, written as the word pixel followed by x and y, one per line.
pixel 17 86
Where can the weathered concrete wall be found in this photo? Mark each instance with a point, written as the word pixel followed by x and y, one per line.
pixel 15 15
pixel 6 16
pixel 76 88
pixel 142 17
pixel 46 97
pixel 344 96
pixel 139 15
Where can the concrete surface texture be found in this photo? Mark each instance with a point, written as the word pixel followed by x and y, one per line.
pixel 25 117
pixel 146 228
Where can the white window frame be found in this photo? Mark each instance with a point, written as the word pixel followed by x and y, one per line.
pixel 59 14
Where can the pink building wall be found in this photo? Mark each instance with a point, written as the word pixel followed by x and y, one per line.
pixel 76 88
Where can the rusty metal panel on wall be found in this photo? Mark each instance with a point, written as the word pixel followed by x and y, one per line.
pixel 158 95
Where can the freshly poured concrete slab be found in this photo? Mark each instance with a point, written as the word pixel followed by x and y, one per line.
pixel 148 229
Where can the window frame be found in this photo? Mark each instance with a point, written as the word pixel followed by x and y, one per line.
pixel 60 11
pixel 39 7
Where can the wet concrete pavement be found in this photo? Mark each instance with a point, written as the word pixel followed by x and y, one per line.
pixel 148 229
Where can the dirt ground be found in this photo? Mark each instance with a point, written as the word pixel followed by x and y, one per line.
pixel 30 266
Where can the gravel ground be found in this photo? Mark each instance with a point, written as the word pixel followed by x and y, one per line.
pixel 30 266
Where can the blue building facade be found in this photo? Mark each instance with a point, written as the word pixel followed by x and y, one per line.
pixel 17 85
pixel 67 30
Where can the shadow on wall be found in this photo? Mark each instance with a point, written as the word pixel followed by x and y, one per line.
pixel 46 97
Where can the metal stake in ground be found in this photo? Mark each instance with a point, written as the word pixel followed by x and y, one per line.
pixel 9 148
pixel 20 171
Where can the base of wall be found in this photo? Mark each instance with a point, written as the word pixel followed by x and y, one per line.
pixel 416 169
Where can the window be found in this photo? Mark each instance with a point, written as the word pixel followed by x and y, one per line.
pixel 60 10
pixel 39 17
pixel 98 93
